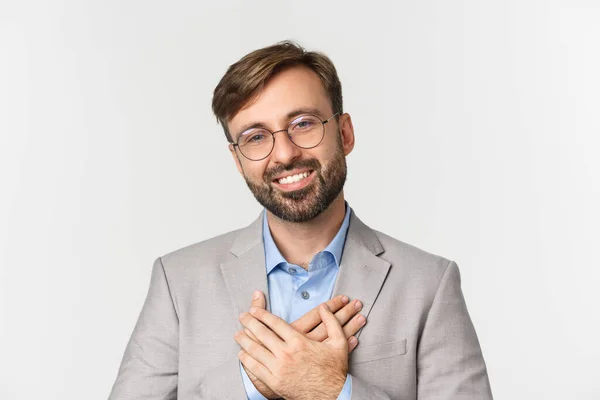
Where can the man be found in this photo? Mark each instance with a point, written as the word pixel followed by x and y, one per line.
pixel 241 315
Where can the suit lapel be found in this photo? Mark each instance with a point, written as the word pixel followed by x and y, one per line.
pixel 246 272
pixel 361 273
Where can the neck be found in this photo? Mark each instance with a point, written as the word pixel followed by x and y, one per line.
pixel 299 242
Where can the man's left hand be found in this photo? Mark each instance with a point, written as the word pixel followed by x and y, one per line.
pixel 292 365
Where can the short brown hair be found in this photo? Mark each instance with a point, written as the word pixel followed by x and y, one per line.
pixel 247 77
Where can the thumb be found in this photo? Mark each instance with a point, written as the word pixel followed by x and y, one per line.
pixel 334 329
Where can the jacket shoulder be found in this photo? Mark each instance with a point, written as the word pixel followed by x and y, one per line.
pixel 209 251
pixel 411 257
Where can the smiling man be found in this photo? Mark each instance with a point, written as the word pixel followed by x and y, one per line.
pixel 279 309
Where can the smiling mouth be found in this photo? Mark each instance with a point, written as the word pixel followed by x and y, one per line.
pixel 286 180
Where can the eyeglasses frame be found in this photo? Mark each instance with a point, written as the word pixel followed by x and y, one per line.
pixel 289 136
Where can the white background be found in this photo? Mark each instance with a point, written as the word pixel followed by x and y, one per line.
pixel 477 127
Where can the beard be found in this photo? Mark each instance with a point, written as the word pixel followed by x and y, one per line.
pixel 304 204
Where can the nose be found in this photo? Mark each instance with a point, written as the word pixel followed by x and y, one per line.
pixel 284 151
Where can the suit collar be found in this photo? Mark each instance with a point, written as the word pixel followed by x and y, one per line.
pixel 273 256
pixel 363 236
pixel 358 232
pixel 248 237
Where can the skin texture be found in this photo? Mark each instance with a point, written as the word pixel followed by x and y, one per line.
pixel 310 324
pixel 311 363
pixel 292 365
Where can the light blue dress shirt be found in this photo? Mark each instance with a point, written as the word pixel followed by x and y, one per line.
pixel 293 291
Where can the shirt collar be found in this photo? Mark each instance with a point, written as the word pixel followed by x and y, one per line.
pixel 273 257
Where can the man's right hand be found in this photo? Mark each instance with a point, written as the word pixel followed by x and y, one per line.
pixel 311 325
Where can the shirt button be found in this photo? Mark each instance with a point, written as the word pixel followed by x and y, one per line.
pixel 305 295
pixel 292 271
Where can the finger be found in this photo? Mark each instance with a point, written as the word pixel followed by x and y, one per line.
pixel 258 300
pixel 343 316
pixel 352 343
pixel 263 334
pixel 258 352
pixel 334 329
pixel 251 336
pixel 275 324
pixel 257 369
pixel 354 325
pixel 308 321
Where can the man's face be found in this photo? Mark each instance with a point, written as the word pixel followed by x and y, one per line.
pixel 322 169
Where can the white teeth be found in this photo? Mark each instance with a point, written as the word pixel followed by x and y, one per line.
pixel 293 178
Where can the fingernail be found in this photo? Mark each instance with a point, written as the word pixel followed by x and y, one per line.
pixel 344 300
pixel 358 305
pixel 242 315
pixel 361 320
pixel 255 295
pixel 352 341
pixel 253 310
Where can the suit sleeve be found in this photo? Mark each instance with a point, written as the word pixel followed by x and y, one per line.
pixel 449 359
pixel 149 368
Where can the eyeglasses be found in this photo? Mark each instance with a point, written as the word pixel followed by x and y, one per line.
pixel 305 131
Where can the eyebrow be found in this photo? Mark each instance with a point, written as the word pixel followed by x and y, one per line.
pixel 289 116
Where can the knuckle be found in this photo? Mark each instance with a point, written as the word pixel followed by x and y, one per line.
pixel 344 315
pixel 353 326
pixel 296 344
pixel 261 368
pixel 252 346
pixel 350 309
pixel 286 358
pixel 337 303
pixel 251 336
pixel 258 312
pixel 320 334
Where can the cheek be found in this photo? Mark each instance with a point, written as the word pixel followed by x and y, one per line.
pixel 254 170
pixel 333 144
pixel 326 156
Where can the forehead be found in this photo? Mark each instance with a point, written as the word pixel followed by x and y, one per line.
pixel 291 89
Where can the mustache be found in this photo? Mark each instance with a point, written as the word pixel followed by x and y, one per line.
pixel 273 172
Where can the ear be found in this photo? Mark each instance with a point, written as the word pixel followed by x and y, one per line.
pixel 236 159
pixel 346 133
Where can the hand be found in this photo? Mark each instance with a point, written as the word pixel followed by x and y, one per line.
pixel 292 365
pixel 310 324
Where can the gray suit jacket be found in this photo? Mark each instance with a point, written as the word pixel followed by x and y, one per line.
pixel 419 341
